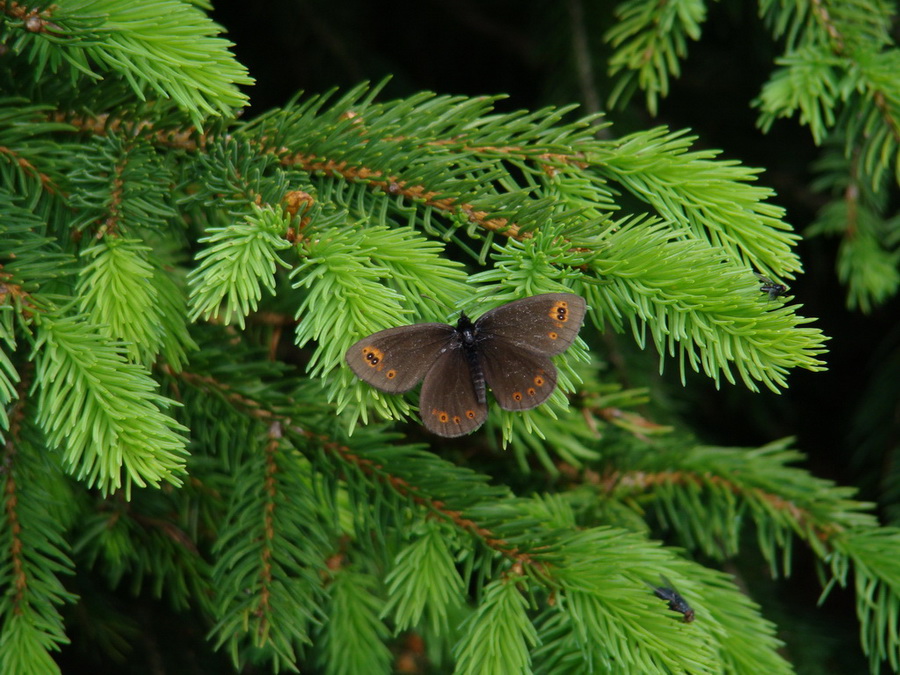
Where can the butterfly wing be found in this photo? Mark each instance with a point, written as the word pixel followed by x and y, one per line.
pixel 520 378
pixel 547 323
pixel 516 340
pixel 448 404
pixel 395 360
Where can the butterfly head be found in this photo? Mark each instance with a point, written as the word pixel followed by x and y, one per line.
pixel 466 330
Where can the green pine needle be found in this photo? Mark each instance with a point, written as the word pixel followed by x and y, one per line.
pixel 102 412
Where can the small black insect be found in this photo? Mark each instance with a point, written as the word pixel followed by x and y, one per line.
pixel 772 289
pixel 676 602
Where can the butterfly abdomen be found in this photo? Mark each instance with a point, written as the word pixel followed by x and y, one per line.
pixel 477 375
pixel 468 341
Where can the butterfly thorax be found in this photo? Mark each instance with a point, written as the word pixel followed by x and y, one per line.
pixel 467 333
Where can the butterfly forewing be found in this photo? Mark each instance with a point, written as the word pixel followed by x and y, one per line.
pixel 395 360
pixel 448 404
pixel 520 378
pixel 546 323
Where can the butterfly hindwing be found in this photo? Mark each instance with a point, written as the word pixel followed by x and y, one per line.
pixel 448 404
pixel 547 323
pixel 395 360
pixel 521 379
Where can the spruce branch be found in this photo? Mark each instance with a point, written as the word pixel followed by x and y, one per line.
pixel 313 521
pixel 101 411
pixel 548 436
pixel 841 76
pixel 873 126
pixel 809 81
pixel 837 74
pixel 353 637
pixel 175 341
pixel 30 258
pixel 705 498
pixel 551 562
pixel 711 199
pixel 440 487
pixel 595 598
pixel 33 554
pixel 9 375
pixel 536 537
pixel 141 544
pixel 867 257
pixel 25 145
pixel 509 526
pixel 843 26
pixel 120 187
pixel 459 153
pixel 723 483
pixel 733 217
pixel 167 48
pixel 236 176
pixel 499 635
pixel 743 630
pixel 845 86
pixel 871 554
pixel 238 264
pixel 116 292
pixel 684 292
pixel 270 554
pixel 871 273
pixel 650 40
pixel 423 580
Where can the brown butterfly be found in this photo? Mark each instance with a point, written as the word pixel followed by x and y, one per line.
pixel 507 349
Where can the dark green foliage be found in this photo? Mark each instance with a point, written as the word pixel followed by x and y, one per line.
pixel 179 424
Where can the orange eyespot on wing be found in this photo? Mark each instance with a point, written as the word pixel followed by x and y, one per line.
pixel 559 313
pixel 522 380
pixel 448 403
pixel 455 423
pixel 373 357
